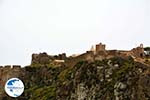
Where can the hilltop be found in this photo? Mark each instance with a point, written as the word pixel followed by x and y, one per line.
pixel 98 52
pixel 97 74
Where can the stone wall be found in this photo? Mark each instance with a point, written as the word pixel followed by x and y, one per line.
pixel 138 52
pixel 71 61
pixel 44 58
pixel 99 53
pixel 100 47
pixel 41 58
pixel 8 72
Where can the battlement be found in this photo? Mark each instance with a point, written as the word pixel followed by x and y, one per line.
pixel 16 66
pixel 7 67
pixel 10 67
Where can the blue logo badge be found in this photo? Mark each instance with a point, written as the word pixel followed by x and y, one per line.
pixel 14 87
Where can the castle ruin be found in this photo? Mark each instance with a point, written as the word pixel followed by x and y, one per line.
pixel 98 52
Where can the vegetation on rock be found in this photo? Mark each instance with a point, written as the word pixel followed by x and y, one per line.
pixel 110 79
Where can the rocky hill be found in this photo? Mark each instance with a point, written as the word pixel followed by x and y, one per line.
pixel 98 74
pixel 109 79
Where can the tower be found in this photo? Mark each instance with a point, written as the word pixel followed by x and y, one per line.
pixel 100 47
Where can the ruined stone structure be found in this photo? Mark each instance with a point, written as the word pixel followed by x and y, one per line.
pixel 44 58
pixel 100 47
pixel 8 72
pixel 88 56
pixel 138 52
pixel 98 52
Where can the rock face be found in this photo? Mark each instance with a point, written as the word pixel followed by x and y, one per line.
pixel 110 79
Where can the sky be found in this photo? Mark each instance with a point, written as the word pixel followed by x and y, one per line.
pixel 70 26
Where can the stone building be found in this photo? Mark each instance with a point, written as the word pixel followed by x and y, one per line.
pixel 100 47
pixel 138 51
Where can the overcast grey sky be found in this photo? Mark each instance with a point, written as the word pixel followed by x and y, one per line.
pixel 71 26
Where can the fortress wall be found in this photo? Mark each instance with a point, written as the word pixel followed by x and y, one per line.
pixel 8 72
pixel 44 58
pixel 16 67
pixel 100 55
pixel 138 52
pixel 112 52
pixel 89 55
pixel 41 58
